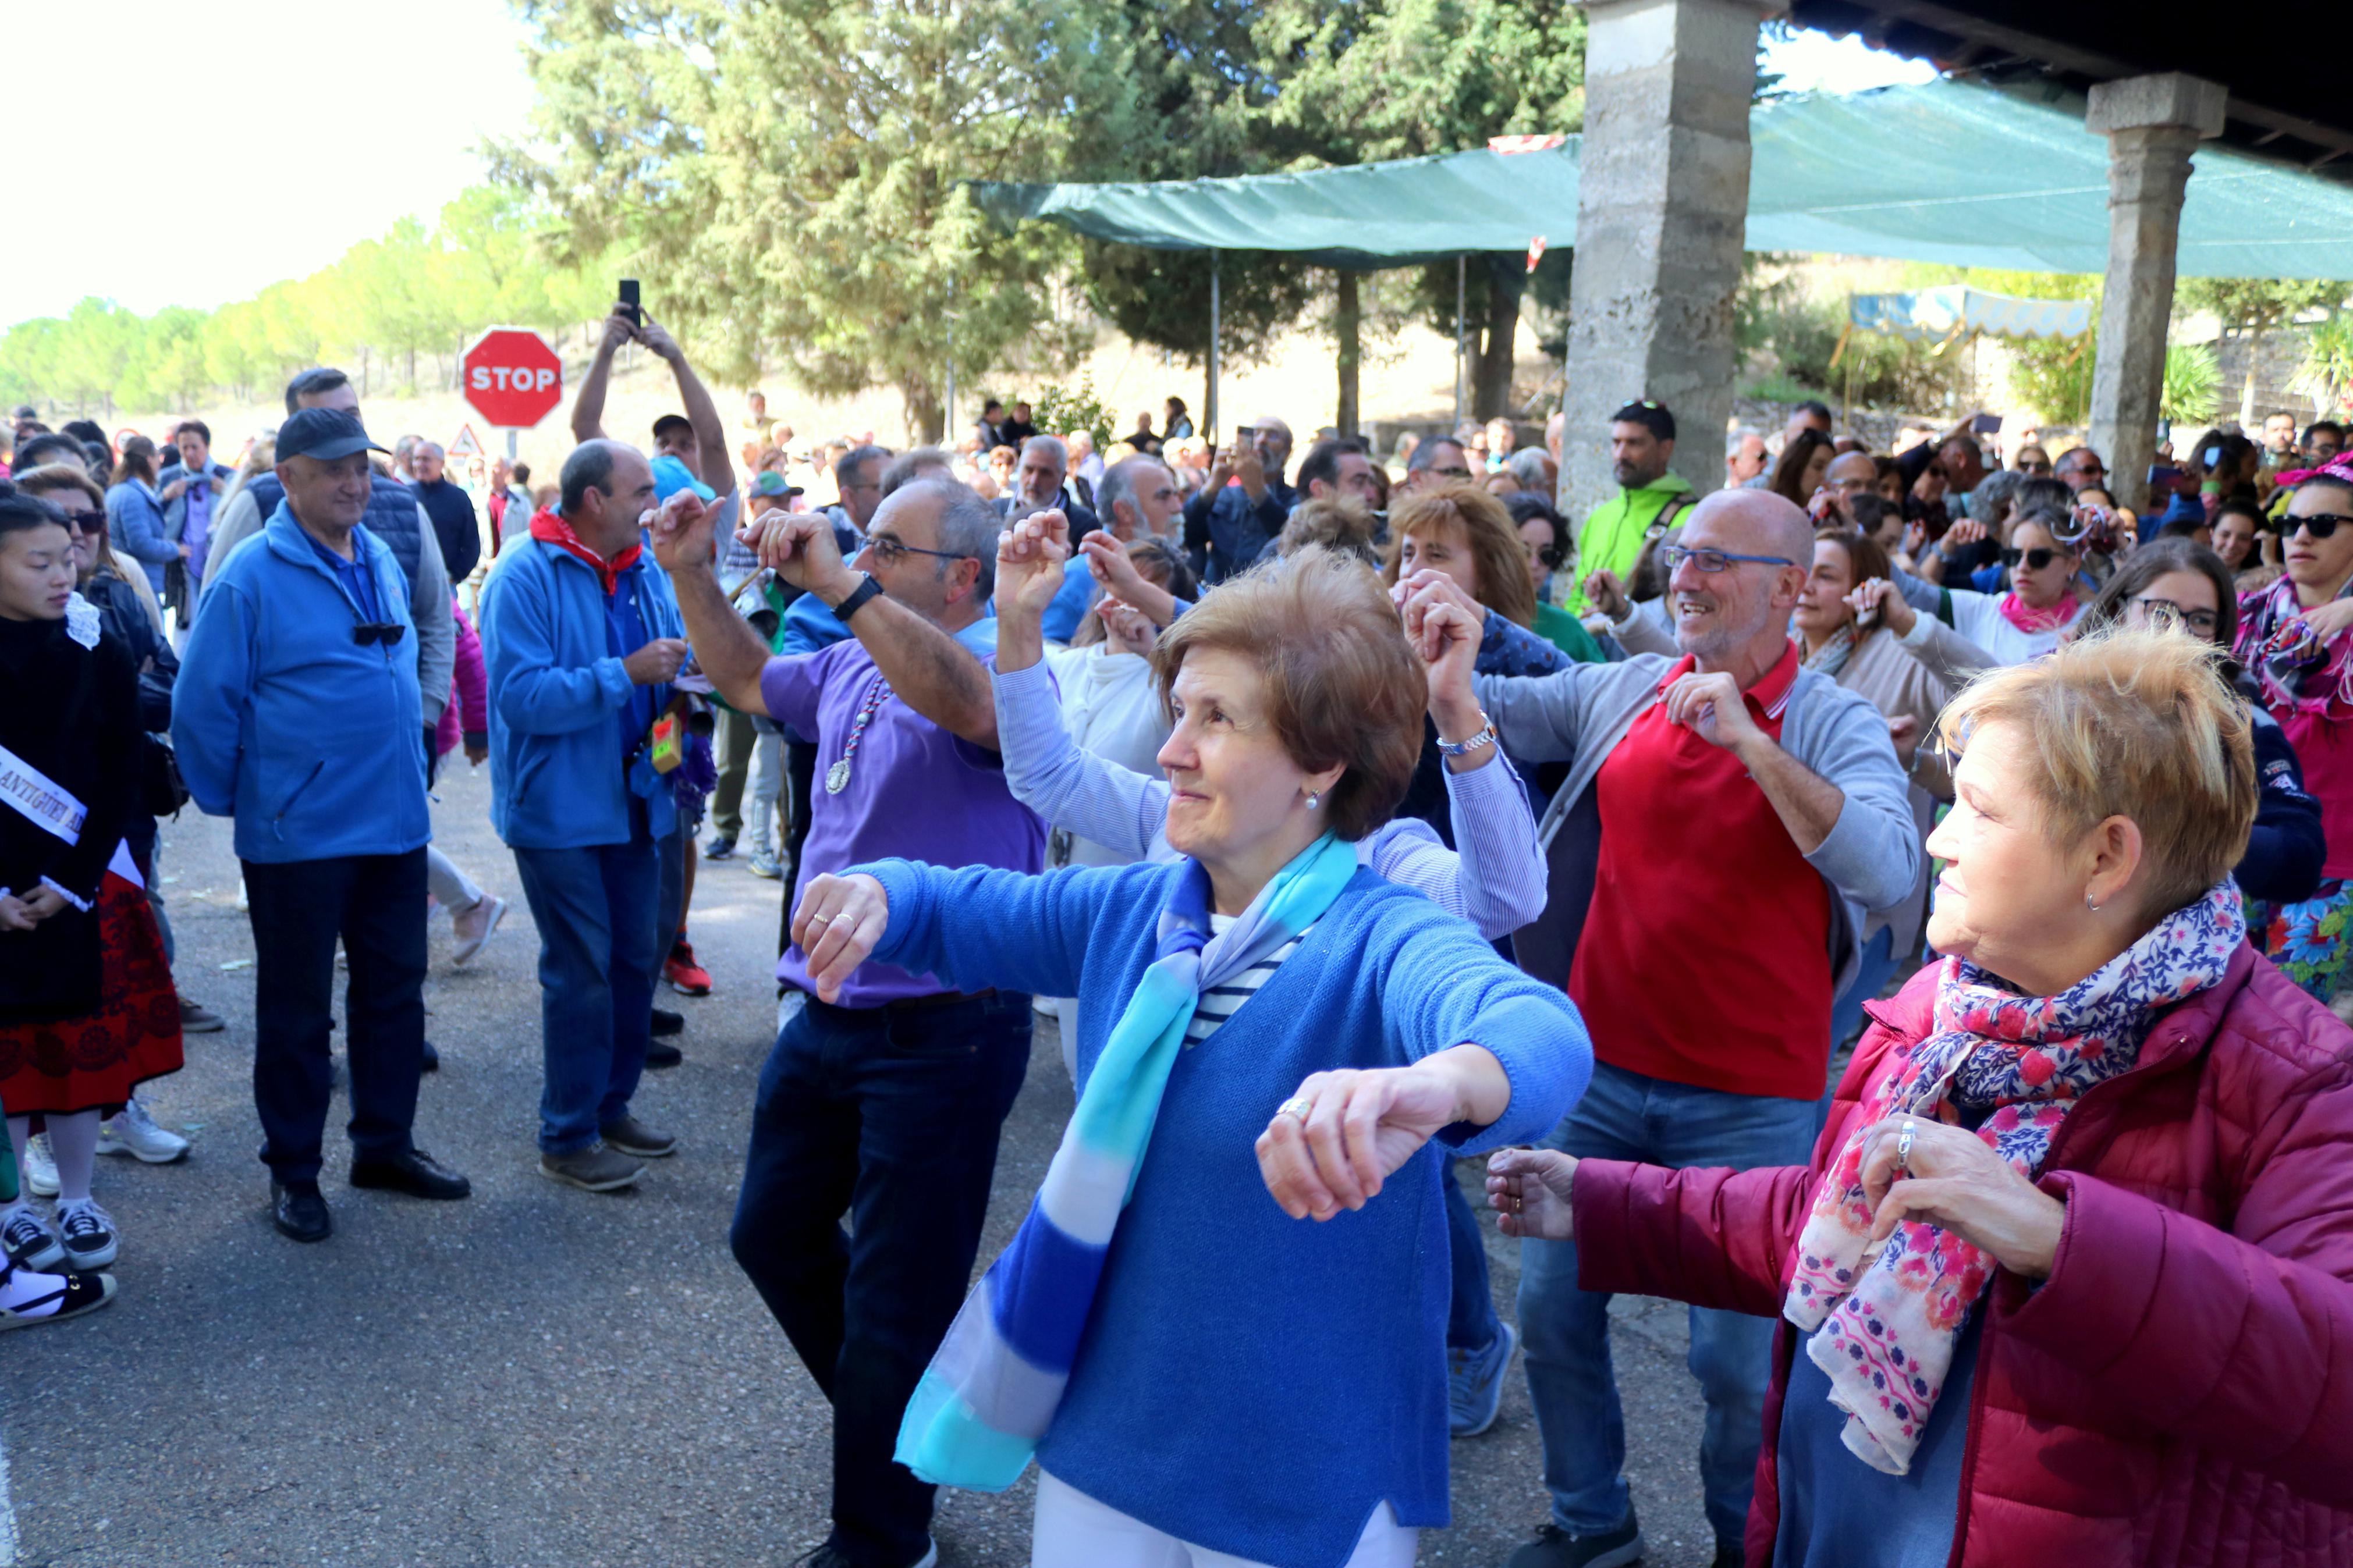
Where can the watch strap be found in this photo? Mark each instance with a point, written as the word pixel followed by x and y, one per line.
pixel 1486 736
pixel 866 590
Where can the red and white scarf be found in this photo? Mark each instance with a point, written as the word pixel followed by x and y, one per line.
pixel 1882 1326
pixel 549 528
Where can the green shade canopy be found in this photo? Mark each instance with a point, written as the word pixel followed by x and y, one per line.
pixel 1948 171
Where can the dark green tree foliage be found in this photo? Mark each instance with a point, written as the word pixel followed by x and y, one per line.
pixel 789 173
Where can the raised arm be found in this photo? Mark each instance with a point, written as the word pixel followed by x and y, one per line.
pixel 716 463
pixel 725 646
pixel 974 927
pixel 588 406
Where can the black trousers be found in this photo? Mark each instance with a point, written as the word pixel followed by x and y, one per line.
pixel 377 904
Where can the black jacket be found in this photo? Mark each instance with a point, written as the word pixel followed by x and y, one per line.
pixel 71 713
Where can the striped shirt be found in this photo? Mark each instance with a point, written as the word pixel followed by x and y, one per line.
pixel 1218 1003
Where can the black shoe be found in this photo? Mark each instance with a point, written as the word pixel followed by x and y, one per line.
pixel 412 1172
pixel 299 1211
pixel 432 1058
pixel 662 1054
pixel 1729 1556
pixel 1557 1548
pixel 667 1022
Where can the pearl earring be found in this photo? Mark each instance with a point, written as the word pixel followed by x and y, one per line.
pixel 1315 799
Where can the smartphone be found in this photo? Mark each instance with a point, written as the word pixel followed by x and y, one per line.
pixel 2214 457
pixel 629 307
pixel 2163 477
pixel 1245 436
pixel 1986 424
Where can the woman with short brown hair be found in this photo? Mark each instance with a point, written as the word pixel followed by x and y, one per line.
pixel 2070 1278
pixel 1263 1017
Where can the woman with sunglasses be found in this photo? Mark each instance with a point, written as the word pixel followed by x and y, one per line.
pixel 2178 584
pixel 2296 638
pixel 1544 534
pixel 1996 629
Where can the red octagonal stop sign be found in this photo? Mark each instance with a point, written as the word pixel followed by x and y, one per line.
pixel 512 377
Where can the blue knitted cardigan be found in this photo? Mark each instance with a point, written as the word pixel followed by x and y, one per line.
pixel 1247 1382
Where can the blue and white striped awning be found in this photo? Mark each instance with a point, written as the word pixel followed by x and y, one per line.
pixel 1956 310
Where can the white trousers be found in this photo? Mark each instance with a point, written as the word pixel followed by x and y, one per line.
pixel 1074 1531
pixel 451 887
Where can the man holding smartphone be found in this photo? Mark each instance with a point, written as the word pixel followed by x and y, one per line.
pixel 1245 503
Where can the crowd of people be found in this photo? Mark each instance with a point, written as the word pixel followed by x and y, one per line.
pixel 1891 902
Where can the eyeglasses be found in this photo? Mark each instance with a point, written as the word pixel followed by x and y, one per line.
pixel 2165 611
pixel 1711 562
pixel 890 550
pixel 2035 471
pixel 385 632
pixel 1457 472
pixel 1548 555
pixel 2036 560
pixel 88 522
pixel 2319 524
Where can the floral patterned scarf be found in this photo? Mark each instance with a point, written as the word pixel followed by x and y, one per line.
pixel 1881 1327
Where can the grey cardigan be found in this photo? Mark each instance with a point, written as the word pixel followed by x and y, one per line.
pixel 1871 859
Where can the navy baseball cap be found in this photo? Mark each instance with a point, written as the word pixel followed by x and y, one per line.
pixel 324 433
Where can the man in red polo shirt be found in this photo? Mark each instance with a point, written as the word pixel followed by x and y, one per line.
pixel 1727 819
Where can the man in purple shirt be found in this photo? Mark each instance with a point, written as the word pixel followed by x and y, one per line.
pixel 883 1099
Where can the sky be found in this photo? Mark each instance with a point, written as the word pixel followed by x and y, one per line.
pixel 274 189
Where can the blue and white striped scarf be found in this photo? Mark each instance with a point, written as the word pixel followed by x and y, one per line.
pixel 990 1393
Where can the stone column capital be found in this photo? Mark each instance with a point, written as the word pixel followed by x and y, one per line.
pixel 2169 100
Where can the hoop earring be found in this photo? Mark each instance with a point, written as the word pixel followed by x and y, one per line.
pixel 2089 905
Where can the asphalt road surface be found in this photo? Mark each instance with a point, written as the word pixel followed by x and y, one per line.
pixel 540 1375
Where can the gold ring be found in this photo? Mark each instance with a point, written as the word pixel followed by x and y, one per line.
pixel 1298 1105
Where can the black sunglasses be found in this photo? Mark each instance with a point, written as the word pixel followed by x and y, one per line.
pixel 385 632
pixel 1550 555
pixel 2036 560
pixel 2320 524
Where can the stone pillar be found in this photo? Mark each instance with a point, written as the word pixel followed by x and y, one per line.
pixel 1662 215
pixel 2153 123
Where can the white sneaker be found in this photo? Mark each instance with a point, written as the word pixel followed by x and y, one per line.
pixel 135 1132
pixel 475 926
pixel 40 1172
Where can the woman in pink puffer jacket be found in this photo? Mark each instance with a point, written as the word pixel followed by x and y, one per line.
pixel 2070 1278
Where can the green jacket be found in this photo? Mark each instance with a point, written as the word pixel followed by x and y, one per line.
pixel 1611 539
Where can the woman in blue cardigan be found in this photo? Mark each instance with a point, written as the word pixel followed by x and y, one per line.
pixel 1193 1368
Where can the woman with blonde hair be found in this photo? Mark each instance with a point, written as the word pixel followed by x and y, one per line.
pixel 1264 1017
pixel 2070 1277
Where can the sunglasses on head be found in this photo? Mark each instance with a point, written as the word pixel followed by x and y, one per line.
pixel 2036 560
pixel 2319 524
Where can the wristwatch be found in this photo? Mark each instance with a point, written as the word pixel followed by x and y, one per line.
pixel 1485 737
pixel 869 589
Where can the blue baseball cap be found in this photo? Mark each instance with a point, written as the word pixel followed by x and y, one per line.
pixel 324 433
pixel 670 476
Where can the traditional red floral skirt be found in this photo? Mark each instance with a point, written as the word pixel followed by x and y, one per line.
pixel 96 1060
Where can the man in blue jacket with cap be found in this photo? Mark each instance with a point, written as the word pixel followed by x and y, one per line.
pixel 297 713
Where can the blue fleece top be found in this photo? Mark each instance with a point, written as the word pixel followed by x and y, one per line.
pixel 1250 1382
pixel 565 714
pixel 312 742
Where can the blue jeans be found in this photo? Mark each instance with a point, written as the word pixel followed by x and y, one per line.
pixel 597 911
pixel 889 1115
pixel 1565 1330
pixel 1471 1324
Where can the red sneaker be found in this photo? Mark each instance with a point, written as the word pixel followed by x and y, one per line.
pixel 686 977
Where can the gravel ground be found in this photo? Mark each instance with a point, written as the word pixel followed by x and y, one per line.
pixel 540 1375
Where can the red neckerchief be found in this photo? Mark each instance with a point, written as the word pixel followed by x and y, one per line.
pixel 549 528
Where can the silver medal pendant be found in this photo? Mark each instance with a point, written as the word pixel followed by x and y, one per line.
pixel 836 777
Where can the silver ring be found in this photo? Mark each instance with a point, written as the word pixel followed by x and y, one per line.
pixel 1903 1146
